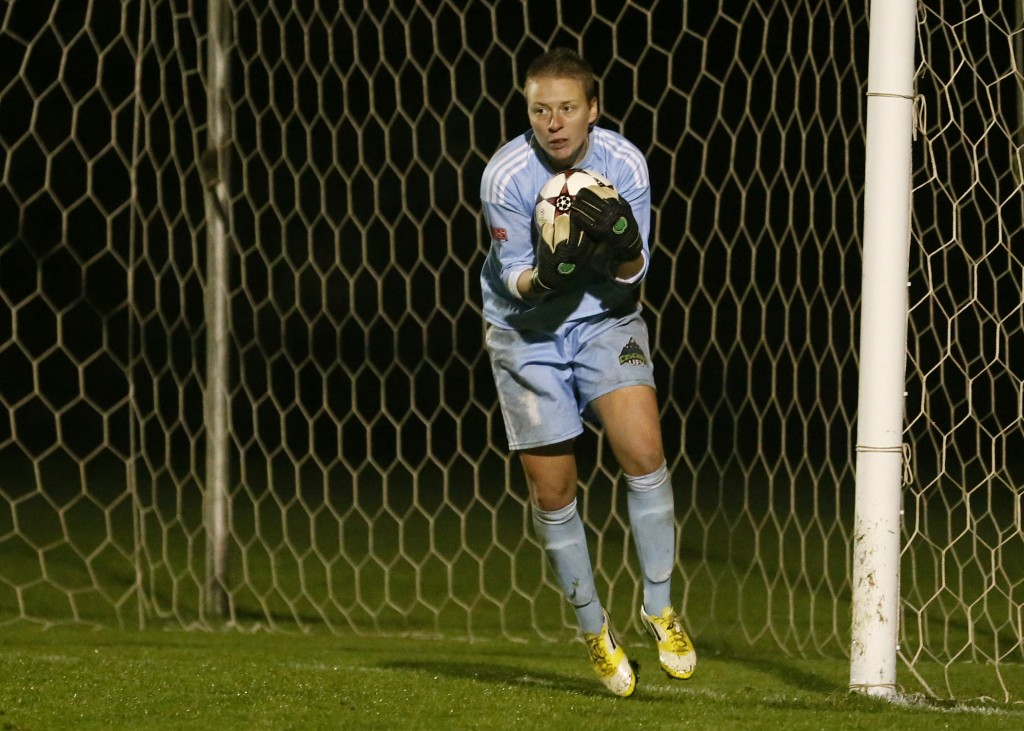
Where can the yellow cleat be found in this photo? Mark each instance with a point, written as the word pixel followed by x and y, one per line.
pixel 675 651
pixel 610 661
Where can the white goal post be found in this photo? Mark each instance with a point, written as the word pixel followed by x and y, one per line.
pixel 883 344
pixel 242 377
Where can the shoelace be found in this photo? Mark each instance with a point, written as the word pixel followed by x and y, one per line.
pixel 676 637
pixel 598 656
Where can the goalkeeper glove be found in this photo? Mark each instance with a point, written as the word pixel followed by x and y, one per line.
pixel 562 253
pixel 608 218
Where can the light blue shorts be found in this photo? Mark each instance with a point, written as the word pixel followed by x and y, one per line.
pixel 546 380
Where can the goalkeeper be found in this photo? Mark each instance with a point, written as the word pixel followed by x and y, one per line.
pixel 567 341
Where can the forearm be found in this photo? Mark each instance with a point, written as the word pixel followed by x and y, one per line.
pixel 523 287
pixel 526 287
pixel 628 269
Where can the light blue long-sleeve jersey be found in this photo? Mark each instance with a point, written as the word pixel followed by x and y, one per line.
pixel 508 192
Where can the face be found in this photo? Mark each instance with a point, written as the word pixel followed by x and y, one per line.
pixel 560 116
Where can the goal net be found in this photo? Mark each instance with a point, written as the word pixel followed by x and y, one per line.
pixel 367 483
pixel 963 565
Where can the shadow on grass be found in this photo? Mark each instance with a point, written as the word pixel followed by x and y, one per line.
pixel 788 671
pixel 507 675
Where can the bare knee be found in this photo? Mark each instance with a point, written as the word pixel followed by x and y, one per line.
pixel 550 474
pixel 642 459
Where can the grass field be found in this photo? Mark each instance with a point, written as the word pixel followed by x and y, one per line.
pixel 107 679
pixel 328 572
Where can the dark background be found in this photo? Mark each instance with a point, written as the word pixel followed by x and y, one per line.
pixel 360 134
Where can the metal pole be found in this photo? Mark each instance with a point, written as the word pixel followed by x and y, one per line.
pixel 216 171
pixel 1017 155
pixel 138 522
pixel 883 344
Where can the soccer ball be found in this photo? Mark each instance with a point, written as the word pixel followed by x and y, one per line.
pixel 556 196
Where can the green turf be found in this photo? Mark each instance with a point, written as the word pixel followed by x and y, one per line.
pixel 74 678
pixel 762 579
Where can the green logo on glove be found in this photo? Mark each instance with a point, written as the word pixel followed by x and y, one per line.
pixel 566 267
pixel 620 226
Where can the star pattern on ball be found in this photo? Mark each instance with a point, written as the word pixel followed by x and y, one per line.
pixel 562 201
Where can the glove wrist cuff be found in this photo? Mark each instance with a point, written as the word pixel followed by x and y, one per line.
pixel 538 287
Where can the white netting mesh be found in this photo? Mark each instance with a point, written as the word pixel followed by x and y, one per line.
pixel 370 490
pixel 963 564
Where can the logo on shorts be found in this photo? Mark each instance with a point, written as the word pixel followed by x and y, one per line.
pixel 632 355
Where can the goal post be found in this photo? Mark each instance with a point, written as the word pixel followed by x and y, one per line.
pixel 242 372
pixel 883 344
pixel 217 208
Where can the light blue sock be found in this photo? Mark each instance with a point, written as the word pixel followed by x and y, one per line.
pixel 652 519
pixel 561 534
